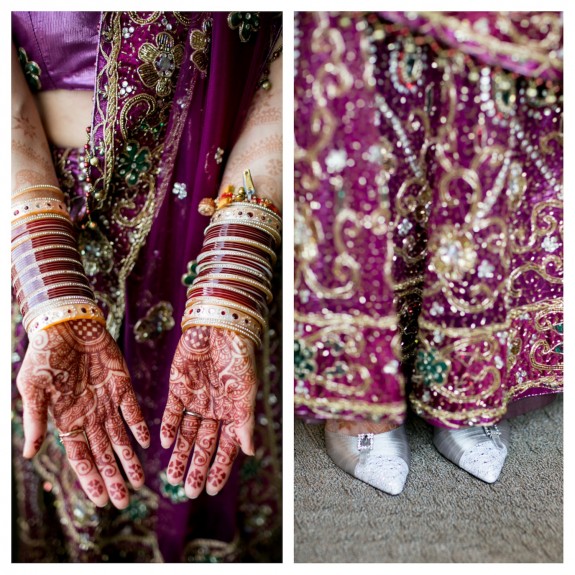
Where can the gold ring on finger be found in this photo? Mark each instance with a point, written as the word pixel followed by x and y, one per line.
pixel 70 433
pixel 193 414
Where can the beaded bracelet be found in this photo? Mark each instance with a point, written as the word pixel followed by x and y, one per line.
pixel 245 194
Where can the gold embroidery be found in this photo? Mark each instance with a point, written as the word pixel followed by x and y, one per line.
pixel 212 550
pixel 182 19
pixel 31 70
pixel 345 319
pixel 554 263
pixel 522 48
pixel 332 80
pixel 141 20
pixel 247 23
pixel 200 43
pixel 160 63
pixel 158 320
pixel 330 407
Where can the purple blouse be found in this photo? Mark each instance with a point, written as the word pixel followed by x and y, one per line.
pixel 65 60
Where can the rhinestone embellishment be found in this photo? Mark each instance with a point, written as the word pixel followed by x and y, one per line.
pixel 365 442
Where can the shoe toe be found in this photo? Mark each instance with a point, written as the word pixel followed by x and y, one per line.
pixel 484 461
pixel 387 474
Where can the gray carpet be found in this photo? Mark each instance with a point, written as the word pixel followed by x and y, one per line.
pixel 443 515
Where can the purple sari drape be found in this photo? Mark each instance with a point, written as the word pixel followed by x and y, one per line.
pixel 428 215
pixel 161 149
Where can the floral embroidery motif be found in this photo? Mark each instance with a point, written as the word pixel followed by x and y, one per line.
pixel 175 493
pixel 158 320
pixel 539 94
pixel 247 22
pixel 127 32
pixel 191 274
pixel 219 156
pixel 304 360
pixel 431 367
pixel 137 509
pixel 96 250
pixel 559 329
pixel 200 43
pixel 31 70
pixel 455 255
pixel 550 244
pixel 133 162
pixel 180 190
pixel 160 63
pixel 504 92
pixel 407 66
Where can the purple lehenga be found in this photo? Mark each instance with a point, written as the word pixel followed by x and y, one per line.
pixel 170 95
pixel 429 215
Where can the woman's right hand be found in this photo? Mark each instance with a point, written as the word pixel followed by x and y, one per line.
pixel 75 371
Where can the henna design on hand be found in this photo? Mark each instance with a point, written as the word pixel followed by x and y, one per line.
pixel 179 460
pixel 228 449
pixel 80 456
pixel 118 491
pixel 22 122
pixel 195 479
pixel 142 434
pixel 268 146
pixel 38 443
pixel 95 488
pixel 75 371
pixel 213 374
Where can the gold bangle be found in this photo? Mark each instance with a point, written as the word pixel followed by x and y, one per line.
pixel 43 248
pixel 245 255
pixel 42 216
pixel 16 220
pixel 53 273
pixel 36 205
pixel 237 267
pixel 240 205
pixel 37 187
pixel 61 301
pixel 226 313
pixel 39 235
pixel 63 313
pixel 252 243
pixel 223 325
pixel 236 210
pixel 207 300
pixel 246 281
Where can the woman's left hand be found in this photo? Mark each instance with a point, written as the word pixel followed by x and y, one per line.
pixel 212 389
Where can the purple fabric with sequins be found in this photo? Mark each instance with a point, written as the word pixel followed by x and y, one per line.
pixel 429 214
pixel 62 44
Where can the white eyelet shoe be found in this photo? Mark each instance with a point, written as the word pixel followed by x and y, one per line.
pixel 380 459
pixel 480 451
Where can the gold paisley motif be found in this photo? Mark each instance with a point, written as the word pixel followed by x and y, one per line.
pixel 143 20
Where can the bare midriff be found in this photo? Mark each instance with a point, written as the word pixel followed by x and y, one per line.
pixel 65 116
